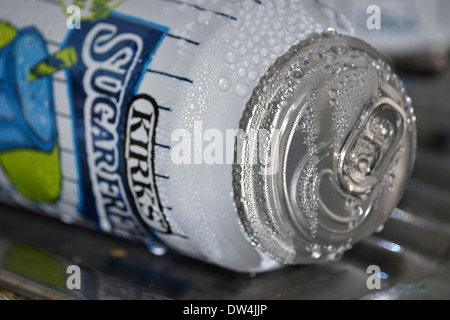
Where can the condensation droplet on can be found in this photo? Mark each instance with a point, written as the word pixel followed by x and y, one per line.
pixel 227 36
pixel 224 84
pixel 358 211
pixel 253 75
pixel 156 249
pixel 316 254
pixel 230 58
pixel 204 17
pixel 242 73
pixel 242 90
pixel 349 202
pixel 297 73
pixel 333 93
pixel 352 224
pixel 380 228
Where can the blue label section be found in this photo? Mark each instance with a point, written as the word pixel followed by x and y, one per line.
pixel 113 54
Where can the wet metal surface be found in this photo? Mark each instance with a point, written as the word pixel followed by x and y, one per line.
pixel 412 251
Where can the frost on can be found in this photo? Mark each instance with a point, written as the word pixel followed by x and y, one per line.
pixel 237 132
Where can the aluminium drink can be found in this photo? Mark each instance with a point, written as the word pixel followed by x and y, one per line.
pixel 249 134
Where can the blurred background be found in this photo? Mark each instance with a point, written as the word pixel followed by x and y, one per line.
pixel 412 250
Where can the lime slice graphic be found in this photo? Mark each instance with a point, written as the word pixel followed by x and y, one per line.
pixel 35 174
pixel 7 34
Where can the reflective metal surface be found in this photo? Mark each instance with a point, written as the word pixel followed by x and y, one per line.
pixel 34 274
pixel 412 251
pixel 338 153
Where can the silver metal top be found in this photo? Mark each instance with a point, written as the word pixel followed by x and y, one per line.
pixel 328 143
pixel 370 148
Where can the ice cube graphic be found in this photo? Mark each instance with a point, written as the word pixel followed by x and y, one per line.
pixel 27 114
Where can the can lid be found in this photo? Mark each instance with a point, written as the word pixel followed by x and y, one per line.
pixel 326 146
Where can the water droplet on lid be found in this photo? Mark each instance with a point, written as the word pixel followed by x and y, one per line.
pixel 302 125
pixel 349 202
pixel 316 254
pixel 358 211
pixel 329 31
pixel 314 249
pixel 243 136
pixel 391 178
pixel 332 69
pixel 336 49
pixel 330 57
pixel 313 37
pixel 333 93
pixel 352 224
pixel 297 73
pixel 317 56
pixel 363 165
pixel 408 100
pixel 334 256
pixel 410 110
